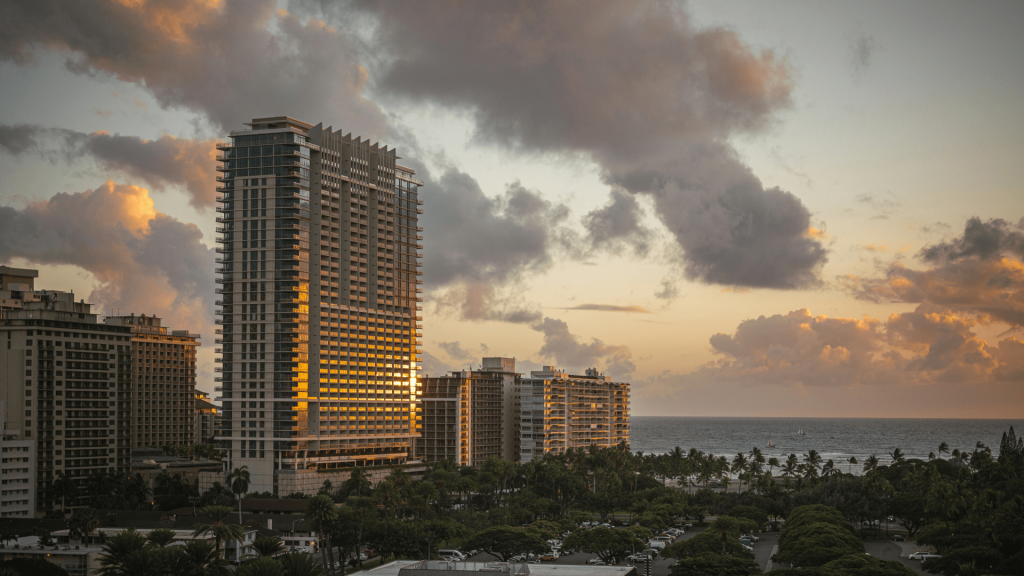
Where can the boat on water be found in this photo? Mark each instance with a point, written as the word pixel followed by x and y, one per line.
pixel 771 443
pixel 800 432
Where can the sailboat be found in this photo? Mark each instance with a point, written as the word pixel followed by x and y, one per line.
pixel 771 443
pixel 800 432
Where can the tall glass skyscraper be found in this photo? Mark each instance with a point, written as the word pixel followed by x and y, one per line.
pixel 318 302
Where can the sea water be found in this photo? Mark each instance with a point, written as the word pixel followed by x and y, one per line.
pixel 835 439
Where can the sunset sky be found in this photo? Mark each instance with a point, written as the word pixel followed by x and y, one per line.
pixel 742 208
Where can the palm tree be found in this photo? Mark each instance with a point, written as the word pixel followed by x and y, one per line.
pixel 261 567
pixel 739 464
pixel 813 461
pixel 897 455
pixel 853 462
pixel 301 565
pixel 161 537
pixel 202 559
pixel 239 480
pixel 357 482
pixel 118 548
pixel 321 512
pixel 943 447
pixel 931 455
pixel 218 526
pixel 828 469
pixel 871 463
pixel 268 546
pixel 773 462
pixel 65 488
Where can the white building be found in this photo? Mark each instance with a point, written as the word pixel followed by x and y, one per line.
pixel 17 472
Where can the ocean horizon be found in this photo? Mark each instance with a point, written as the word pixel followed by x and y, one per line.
pixel 837 439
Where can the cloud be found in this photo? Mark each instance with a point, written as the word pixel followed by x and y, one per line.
pixel 979 273
pixel 456 352
pixel 166 161
pixel 883 206
pixel 434 366
pixel 926 346
pixel 144 261
pixel 610 308
pixel 485 302
pixel 862 52
pixel 230 61
pixel 618 225
pixel 633 86
pixel 983 240
pixel 567 350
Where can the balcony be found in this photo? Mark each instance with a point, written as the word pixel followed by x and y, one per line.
pixel 224 146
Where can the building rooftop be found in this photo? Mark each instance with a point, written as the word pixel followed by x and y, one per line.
pixel 443 568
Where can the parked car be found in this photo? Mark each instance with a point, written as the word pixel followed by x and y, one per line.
pixel 917 555
pixel 640 558
pixel 898 538
pixel 657 544
pixel 930 557
pixel 747 547
pixel 452 553
pixel 549 556
pixel 595 562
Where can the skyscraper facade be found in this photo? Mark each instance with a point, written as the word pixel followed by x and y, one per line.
pixel 319 301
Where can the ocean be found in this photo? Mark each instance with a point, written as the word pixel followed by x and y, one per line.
pixel 835 438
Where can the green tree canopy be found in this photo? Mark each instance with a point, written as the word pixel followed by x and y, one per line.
pixel 715 565
pixel 610 544
pixel 504 542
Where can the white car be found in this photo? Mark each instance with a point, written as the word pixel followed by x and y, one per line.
pixel 919 555
pixel 749 537
pixel 640 558
pixel 930 557
pixel 595 562
pixel 747 548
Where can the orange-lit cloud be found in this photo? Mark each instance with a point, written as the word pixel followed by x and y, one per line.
pixel 926 346
pixel 143 261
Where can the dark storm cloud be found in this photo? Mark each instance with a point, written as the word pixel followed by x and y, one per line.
pixel 985 240
pixel 480 238
pixel 166 161
pixel 632 85
pixel 143 260
pixel 617 225
pixel 230 61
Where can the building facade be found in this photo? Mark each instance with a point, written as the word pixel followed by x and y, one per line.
pixel 561 411
pixel 66 384
pixel 319 301
pixel 205 419
pixel 17 472
pixel 468 416
pixel 164 381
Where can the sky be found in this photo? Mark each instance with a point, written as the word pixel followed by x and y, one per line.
pixel 741 208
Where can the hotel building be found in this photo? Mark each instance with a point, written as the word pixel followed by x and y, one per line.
pixel 65 381
pixel 560 411
pixel 164 382
pixel 470 416
pixel 318 303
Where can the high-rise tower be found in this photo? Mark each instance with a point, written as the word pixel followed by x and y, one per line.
pixel 319 273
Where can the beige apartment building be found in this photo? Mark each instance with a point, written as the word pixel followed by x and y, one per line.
pixel 66 384
pixel 469 416
pixel 318 305
pixel 164 381
pixel 559 411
